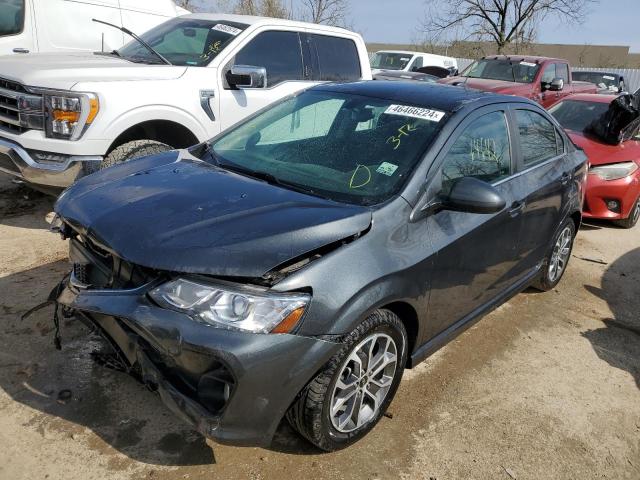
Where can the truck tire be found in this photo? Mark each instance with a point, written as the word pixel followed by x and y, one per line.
pixel 347 398
pixel 135 149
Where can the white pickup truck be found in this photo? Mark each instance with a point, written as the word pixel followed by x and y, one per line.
pixel 65 115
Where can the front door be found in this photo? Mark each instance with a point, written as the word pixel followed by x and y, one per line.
pixel 476 253
pixel 280 53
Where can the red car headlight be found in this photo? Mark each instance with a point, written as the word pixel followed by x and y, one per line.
pixel 614 171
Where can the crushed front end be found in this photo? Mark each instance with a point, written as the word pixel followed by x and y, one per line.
pixel 232 386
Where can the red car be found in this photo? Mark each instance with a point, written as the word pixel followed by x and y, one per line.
pixel 613 185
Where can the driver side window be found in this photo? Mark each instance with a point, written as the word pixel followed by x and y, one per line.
pixel 482 151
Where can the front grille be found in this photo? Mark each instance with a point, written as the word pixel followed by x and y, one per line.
pixel 7 164
pixel 99 269
pixel 20 110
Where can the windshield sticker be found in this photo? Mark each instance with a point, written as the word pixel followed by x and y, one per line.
pixel 528 64
pixel 608 77
pixel 214 49
pixel 403 131
pixel 415 112
pixel 387 168
pixel 361 176
pixel 221 27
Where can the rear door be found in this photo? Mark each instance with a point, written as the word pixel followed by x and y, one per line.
pixel 543 165
pixel 477 254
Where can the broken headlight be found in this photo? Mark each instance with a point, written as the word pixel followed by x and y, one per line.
pixel 231 307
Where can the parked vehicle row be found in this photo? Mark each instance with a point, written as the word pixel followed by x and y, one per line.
pixel 259 234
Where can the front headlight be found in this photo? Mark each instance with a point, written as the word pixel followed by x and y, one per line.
pixel 614 171
pixel 67 115
pixel 234 308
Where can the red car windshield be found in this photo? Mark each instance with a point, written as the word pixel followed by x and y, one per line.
pixel 577 115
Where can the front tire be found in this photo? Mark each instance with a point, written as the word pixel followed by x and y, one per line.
pixel 135 149
pixel 633 217
pixel 349 396
pixel 556 261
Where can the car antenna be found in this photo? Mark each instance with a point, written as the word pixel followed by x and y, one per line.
pixel 135 37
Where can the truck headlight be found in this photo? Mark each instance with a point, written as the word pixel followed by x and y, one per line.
pixel 614 171
pixel 234 308
pixel 67 115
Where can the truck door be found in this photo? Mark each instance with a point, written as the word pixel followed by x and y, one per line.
pixel 280 53
pixel 17 27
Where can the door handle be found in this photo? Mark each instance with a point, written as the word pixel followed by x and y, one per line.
pixel 564 179
pixel 516 208
pixel 20 50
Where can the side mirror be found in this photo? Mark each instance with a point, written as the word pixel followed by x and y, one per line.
pixel 247 76
pixel 556 85
pixel 469 195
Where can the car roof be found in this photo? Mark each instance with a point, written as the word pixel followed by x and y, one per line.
pixel 430 95
pixel 524 58
pixel 597 72
pixel 268 21
pixel 590 97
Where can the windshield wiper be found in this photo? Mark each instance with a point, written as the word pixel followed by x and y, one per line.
pixel 137 38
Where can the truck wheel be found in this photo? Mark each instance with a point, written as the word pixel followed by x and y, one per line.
pixel 134 149
pixel 633 217
pixel 350 394
pixel 556 262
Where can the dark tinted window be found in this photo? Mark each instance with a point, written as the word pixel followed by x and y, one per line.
pixel 11 17
pixel 338 58
pixel 278 52
pixel 562 71
pixel 537 137
pixel 482 151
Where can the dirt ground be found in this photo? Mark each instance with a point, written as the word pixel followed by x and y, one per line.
pixel 547 386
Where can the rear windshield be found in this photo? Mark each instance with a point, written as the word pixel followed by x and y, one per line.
pixel 390 61
pixel 348 148
pixel 185 42
pixel 575 115
pixel 505 70
pixel 11 17
pixel 603 80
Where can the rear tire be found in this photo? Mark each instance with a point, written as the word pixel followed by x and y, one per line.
pixel 135 149
pixel 633 217
pixel 352 392
pixel 557 259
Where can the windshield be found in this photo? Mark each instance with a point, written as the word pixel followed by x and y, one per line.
pixel 185 42
pixel 506 70
pixel 603 80
pixel 347 148
pixel 390 61
pixel 11 17
pixel 575 115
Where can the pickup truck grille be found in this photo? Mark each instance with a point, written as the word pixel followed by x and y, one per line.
pixel 20 111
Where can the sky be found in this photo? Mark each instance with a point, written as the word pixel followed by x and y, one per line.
pixel 610 22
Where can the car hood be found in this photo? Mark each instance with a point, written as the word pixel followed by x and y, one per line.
pixel 177 213
pixel 483 84
pixel 64 70
pixel 600 153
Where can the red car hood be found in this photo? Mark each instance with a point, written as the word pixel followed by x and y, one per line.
pixel 602 154
pixel 484 84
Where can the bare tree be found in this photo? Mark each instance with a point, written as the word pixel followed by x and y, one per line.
pixel 265 8
pixel 329 12
pixel 500 21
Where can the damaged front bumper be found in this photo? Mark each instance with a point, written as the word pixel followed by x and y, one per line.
pixel 232 386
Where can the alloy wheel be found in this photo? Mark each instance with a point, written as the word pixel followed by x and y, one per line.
pixel 364 382
pixel 560 255
pixel 635 215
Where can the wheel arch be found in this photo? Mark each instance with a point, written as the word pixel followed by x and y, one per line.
pixel 166 131
pixel 409 318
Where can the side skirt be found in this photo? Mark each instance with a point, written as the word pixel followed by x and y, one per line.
pixel 430 347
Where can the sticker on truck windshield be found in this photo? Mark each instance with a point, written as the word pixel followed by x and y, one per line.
pixel 387 168
pixel 608 77
pixel 221 27
pixel 415 112
pixel 528 64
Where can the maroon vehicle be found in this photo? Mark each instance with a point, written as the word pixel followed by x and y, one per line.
pixel 544 80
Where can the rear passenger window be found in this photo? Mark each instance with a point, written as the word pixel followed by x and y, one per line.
pixel 338 59
pixel 279 52
pixel 537 137
pixel 482 151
